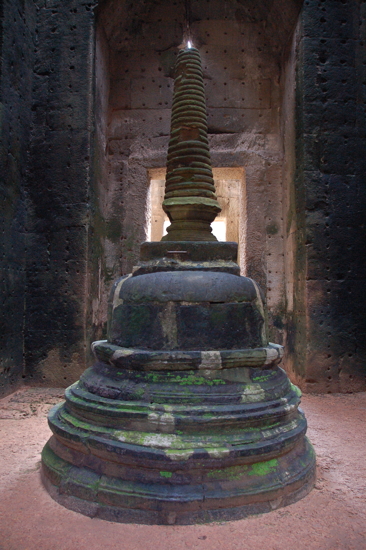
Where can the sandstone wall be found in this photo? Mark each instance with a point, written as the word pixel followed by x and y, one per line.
pixel 17 42
pixel 326 326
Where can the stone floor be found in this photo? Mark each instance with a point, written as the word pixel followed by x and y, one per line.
pixel 331 517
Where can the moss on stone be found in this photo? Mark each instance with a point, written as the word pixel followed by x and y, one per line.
pixel 166 474
pixel 263 468
pixel 296 390
pixel 189 379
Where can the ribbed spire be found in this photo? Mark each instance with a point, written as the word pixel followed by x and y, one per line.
pixel 190 201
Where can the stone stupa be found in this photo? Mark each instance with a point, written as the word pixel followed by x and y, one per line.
pixel 185 416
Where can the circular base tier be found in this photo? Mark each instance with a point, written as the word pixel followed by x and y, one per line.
pixel 178 447
pixel 225 494
pixel 188 256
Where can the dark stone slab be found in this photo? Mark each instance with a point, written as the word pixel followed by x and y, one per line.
pixel 194 251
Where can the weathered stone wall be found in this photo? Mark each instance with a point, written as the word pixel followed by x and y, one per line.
pixel 17 38
pixel 47 68
pixel 59 193
pixel 326 326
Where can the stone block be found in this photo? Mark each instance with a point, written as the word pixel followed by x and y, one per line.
pixel 69 243
pixel 333 241
pixel 120 94
pixel 212 10
pixel 221 33
pixel 334 154
pixel 316 190
pixel 333 116
pixel 60 162
pixel 334 309
pixel 329 84
pixel 236 94
pixel 345 156
pixel 330 19
pixel 162 34
pixel 145 63
pixel 46 352
pixel 228 65
pixel 335 53
pixel 134 122
pixel 257 121
pixel 347 201
pixel 13 237
pixel 151 93
pixel 329 259
pixel 53 313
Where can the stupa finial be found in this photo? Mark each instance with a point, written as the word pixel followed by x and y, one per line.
pixel 190 199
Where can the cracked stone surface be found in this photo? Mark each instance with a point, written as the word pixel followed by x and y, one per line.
pixel 331 517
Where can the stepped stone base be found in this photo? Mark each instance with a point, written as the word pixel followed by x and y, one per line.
pixel 186 416
pixel 195 446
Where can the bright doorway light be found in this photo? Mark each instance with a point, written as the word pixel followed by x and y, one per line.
pixel 219 230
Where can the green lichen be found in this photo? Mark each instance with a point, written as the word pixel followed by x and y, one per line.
pixel 259 378
pixel 200 380
pixel 166 474
pixel 151 377
pixel 263 468
pixel 296 390
pixel 138 393
pixel 53 461
pixel 190 379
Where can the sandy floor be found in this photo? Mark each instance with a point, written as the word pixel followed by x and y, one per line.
pixel 331 517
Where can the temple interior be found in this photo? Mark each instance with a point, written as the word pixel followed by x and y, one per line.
pixel 86 90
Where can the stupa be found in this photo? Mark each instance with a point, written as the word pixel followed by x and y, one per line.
pixel 185 416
